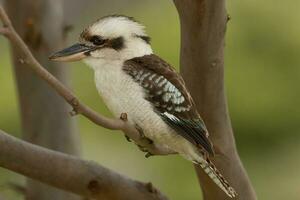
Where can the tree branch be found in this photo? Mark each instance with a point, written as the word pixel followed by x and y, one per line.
pixel 203 26
pixel 63 91
pixel 4 31
pixel 70 173
pixel 39 23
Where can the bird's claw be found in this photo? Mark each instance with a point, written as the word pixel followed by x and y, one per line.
pixel 128 138
pixel 143 149
pixel 149 141
pixel 142 135
pixel 148 154
pixel 140 130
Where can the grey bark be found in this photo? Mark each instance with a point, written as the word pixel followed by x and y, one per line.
pixel 44 114
pixel 82 177
pixel 203 27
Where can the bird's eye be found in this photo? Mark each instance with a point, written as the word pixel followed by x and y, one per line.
pixel 97 40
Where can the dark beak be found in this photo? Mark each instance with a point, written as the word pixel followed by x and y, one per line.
pixel 73 53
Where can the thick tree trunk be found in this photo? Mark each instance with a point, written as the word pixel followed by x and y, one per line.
pixel 203 26
pixel 44 114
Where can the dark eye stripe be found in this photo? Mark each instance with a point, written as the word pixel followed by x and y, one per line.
pixel 117 43
pixel 97 40
pixel 147 39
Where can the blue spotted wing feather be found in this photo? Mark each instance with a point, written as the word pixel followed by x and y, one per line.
pixel 166 90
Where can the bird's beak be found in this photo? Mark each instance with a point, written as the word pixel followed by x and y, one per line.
pixel 73 53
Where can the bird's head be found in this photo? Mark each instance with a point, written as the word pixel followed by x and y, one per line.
pixel 114 37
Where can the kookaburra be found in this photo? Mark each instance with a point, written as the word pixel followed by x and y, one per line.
pixel 133 80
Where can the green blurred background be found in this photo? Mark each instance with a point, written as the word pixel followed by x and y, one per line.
pixel 262 83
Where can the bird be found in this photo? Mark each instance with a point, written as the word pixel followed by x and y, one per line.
pixel 131 79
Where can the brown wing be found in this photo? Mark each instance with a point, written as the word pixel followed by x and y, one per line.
pixel 166 90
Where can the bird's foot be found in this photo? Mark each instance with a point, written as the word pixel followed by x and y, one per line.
pixel 142 135
pixel 148 154
pixel 149 141
pixel 127 138
pixel 143 149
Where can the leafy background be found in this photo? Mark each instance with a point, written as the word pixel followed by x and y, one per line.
pixel 262 83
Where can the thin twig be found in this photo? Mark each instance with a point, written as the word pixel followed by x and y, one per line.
pixel 4 31
pixel 78 107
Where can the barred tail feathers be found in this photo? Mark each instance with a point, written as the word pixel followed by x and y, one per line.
pixel 210 169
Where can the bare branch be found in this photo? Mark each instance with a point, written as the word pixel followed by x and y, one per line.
pixel 63 91
pixel 4 31
pixel 70 173
pixel 4 18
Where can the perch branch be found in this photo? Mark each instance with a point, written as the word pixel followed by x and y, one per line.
pixel 78 107
pixel 84 178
